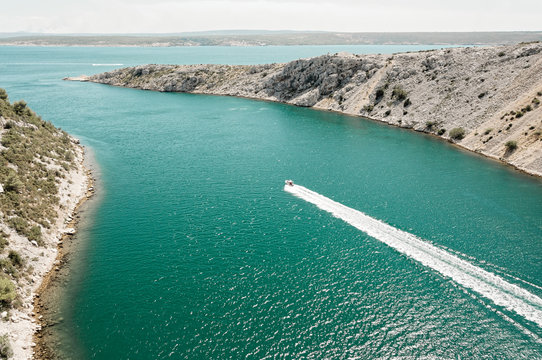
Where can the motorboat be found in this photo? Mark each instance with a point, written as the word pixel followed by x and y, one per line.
pixel 289 182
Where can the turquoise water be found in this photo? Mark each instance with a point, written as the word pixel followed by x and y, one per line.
pixel 197 252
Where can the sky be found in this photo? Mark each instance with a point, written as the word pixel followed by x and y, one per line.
pixel 172 16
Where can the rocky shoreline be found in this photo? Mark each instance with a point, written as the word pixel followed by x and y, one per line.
pixel 42 182
pixel 24 323
pixel 484 99
pixel 44 347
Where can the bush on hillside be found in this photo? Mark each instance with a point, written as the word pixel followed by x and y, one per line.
pixel 16 258
pixel 7 291
pixel 5 348
pixel 19 107
pixel 13 183
pixel 399 93
pixel 511 145
pixel 429 124
pixel 3 240
pixel 457 133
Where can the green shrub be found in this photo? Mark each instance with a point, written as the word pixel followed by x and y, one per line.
pixel 13 183
pixel 501 54
pixel 536 102
pixel 487 131
pixel 68 156
pixel 7 291
pixel 34 233
pixel 429 124
pixel 19 224
pixel 519 114
pixel 5 348
pixel 16 259
pixel 3 94
pixel 3 240
pixel 441 131
pixel 407 103
pixel 511 145
pixel 7 267
pixel 368 108
pixel 457 133
pixel 399 93
pixel 19 107
pixel 9 124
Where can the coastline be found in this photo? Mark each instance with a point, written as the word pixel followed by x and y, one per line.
pixel 463 147
pixel 24 322
pixel 486 100
pixel 42 313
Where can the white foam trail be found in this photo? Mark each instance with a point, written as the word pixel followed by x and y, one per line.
pixel 491 286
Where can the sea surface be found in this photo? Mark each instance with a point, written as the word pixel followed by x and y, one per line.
pixel 196 251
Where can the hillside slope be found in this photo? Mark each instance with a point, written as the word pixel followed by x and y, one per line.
pixel 41 181
pixel 485 99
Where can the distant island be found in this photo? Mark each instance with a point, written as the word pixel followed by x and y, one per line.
pixel 484 99
pixel 268 38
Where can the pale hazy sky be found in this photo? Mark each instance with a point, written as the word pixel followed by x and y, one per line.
pixel 162 16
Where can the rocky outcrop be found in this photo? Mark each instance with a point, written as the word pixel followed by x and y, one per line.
pixel 489 96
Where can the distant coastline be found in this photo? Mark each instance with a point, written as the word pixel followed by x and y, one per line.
pixel 271 39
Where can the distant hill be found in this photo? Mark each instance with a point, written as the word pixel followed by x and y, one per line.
pixel 265 38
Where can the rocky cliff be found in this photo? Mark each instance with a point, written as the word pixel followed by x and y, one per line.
pixel 485 99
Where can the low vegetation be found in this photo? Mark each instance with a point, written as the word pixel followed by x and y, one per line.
pixel 511 145
pixel 399 93
pixel 430 124
pixel 35 156
pixel 368 108
pixel 5 348
pixel 7 292
pixel 457 133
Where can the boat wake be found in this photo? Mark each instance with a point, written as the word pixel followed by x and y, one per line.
pixel 489 285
